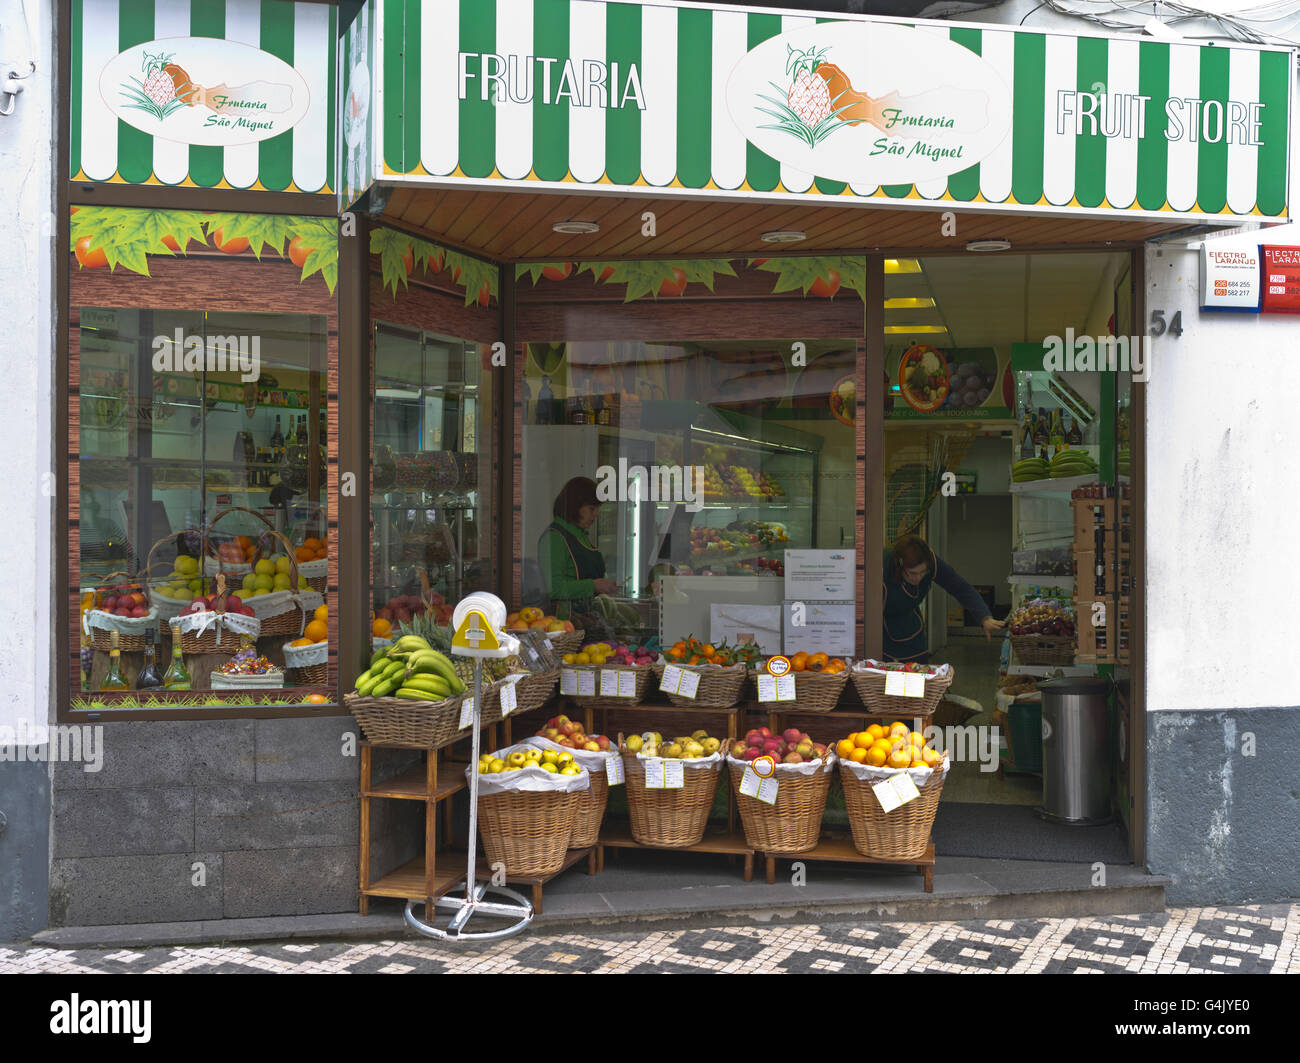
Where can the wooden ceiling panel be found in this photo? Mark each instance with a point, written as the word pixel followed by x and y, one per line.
pixel 516 225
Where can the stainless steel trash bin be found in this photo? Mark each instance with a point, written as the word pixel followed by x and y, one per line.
pixel 1076 750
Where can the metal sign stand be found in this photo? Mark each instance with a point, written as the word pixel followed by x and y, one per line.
pixel 466 907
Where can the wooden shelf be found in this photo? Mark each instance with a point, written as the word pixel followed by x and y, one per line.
pixel 408 881
pixel 841 850
pixel 574 856
pixel 412 784
pixel 728 843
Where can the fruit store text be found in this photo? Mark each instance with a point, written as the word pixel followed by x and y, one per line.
pixel 179 353
pixel 659 483
pixel 1124 115
pixel 579 82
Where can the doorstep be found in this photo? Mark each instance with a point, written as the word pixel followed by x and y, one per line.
pixel 668 889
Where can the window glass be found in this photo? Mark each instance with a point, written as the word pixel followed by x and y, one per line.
pixel 708 459
pixel 202 468
pixel 431 511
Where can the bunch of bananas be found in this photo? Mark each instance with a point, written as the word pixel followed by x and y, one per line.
pixel 494 668
pixel 410 669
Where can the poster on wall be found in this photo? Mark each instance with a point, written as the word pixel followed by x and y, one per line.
pixel 943 383
pixel 1230 278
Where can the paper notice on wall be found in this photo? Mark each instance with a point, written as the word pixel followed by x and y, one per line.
pixel 819 576
pixel 820 627
pixel 737 624
pixel 1230 278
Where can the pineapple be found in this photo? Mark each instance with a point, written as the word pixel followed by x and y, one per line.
pixel 809 98
pixel 158 83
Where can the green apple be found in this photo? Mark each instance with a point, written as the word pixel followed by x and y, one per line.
pixel 549 766
pixel 497 766
pixel 517 759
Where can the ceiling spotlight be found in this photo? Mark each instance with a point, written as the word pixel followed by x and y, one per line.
pixel 784 236
pixel 988 245
pixel 578 227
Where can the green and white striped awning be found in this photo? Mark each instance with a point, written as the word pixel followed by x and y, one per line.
pixel 268 66
pixel 526 94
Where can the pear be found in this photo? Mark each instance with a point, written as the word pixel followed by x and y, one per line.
pixel 673 750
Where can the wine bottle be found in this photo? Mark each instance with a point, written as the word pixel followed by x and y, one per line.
pixel 277 440
pixel 544 411
pixel 148 677
pixel 114 680
pixel 178 676
pixel 302 430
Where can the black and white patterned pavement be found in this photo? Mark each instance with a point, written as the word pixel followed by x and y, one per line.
pixel 1256 939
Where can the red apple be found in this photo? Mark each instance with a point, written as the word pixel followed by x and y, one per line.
pixel 791 736
pixel 753 753
pixel 110 603
pixel 139 611
pixel 792 758
pixel 739 750
pixel 765 732
pixel 234 603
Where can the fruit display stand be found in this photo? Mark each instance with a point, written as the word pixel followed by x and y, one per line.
pixel 789 820
pixel 842 851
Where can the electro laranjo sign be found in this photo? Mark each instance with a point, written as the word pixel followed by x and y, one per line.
pixel 729 103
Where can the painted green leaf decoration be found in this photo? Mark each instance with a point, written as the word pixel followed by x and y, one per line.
pixel 260 230
pixel 802 273
pixel 536 269
pixel 391 247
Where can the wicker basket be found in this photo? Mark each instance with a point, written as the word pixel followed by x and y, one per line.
pixel 591 811
pixel 412 724
pixel 794 823
pixel 527 831
pixel 719 688
pixel 279 612
pixel 310 664
pixel 316 573
pixel 535 690
pixel 813 692
pixel 132 632
pixel 1043 649
pixel 870 686
pixel 569 642
pixel 271 680
pixel 902 834
pixel 670 819
pixel 643 674
pixel 201 634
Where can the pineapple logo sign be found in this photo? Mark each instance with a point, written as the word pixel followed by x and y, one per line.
pixel 205 91
pixel 870 104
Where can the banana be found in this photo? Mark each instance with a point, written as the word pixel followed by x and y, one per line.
pixel 365 685
pixel 441 665
pixel 432 685
pixel 383 687
pixel 415 694
pixel 409 644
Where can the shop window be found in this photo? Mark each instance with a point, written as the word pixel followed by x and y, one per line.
pixel 199 446
pixel 432 511
pixel 709 460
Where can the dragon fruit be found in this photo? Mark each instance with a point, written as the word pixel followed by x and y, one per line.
pixel 809 98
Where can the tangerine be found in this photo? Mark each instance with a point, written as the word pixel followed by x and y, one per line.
pixel 876 757
pixel 859 756
pixel 322 612
pixel 381 628
pixel 317 631
pixel 876 731
pixel 862 739
pixel 318 699
pixel 899 759
pixel 899 728
pixel 845 747
pixel 305 553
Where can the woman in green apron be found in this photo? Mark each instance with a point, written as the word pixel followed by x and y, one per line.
pixel 911 568
pixel 573 567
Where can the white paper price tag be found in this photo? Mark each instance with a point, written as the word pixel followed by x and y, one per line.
pixel 614 774
pixel 671 679
pixel 760 789
pixel 466 713
pixel 627 684
pixel 904 787
pixel 608 683
pixel 587 684
pixel 690 684
pixel 894 683
pixel 654 773
pixel 913 685
pixel 766 687
pixel 568 681
pixel 509 698
pixel 674 775
pixel 785 688
pixel 886 795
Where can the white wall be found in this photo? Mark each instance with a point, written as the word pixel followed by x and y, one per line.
pixel 27 325
pixel 1222 473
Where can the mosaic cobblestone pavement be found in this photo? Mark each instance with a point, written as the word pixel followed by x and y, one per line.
pixel 1252 939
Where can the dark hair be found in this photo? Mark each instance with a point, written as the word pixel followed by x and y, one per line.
pixel 577 493
pixel 908 552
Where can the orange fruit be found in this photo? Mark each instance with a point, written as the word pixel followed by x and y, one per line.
pixel 899 759
pixel 301 642
pixel 931 757
pixel 845 747
pixel 304 553
pixel 817 662
pixel 876 757
pixel 318 699
pixel 862 740
pixel 320 555
pixel 918 739
pixel 317 631
pixel 917 764
pixel 381 628
pixel 898 728
pixel 876 731
pixel 312 543
pixel 322 611
pixel 799 662
pixel 859 756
